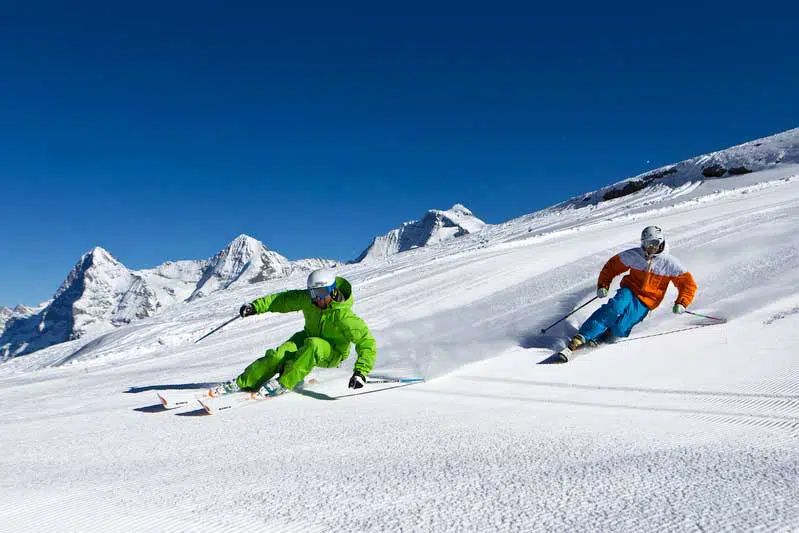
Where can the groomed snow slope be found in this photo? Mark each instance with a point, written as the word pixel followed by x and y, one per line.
pixel 695 430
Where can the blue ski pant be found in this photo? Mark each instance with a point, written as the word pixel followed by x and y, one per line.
pixel 618 316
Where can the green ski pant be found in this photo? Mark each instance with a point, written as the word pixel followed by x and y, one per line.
pixel 293 360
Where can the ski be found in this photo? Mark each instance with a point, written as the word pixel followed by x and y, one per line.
pixel 567 355
pixel 215 404
pixel 555 359
pixel 175 400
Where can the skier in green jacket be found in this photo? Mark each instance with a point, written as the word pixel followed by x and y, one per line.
pixel 331 327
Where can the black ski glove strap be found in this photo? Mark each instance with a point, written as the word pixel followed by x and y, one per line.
pixel 357 380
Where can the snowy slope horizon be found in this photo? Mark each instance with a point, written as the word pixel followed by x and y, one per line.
pixel 100 293
pixel 752 156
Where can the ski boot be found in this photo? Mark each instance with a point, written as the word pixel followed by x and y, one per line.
pixel 576 342
pixel 270 389
pixel 227 387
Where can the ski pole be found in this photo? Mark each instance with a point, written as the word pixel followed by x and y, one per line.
pixel 217 329
pixel 570 314
pixel 706 316
pixel 386 379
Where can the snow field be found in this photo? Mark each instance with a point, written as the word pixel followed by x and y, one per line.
pixel 694 430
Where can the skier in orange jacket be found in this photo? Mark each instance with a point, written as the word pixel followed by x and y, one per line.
pixel 651 268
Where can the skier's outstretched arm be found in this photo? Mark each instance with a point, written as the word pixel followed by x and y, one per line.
pixel 282 302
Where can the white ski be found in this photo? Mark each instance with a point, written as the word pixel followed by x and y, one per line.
pixel 174 400
pixel 213 405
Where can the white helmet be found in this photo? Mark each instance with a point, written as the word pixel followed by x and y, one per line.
pixel 322 278
pixel 652 240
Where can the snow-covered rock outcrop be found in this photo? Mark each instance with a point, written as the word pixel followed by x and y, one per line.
pixel 174 281
pixel 7 314
pixel 753 156
pixel 314 263
pixel 434 227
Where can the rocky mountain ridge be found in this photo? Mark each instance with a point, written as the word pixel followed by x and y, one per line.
pixel 100 293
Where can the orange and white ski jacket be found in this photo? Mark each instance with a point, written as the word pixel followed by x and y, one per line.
pixel 649 278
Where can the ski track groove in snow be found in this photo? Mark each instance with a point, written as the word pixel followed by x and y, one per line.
pixel 763 410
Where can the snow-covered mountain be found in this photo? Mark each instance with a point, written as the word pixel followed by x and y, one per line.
pixel 100 293
pixel 19 311
pixel 5 314
pixel 753 156
pixel 247 261
pixel 244 260
pixel 436 226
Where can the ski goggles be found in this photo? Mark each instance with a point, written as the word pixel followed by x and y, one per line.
pixel 652 245
pixel 320 293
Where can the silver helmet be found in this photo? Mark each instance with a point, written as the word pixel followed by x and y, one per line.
pixel 652 240
pixel 321 283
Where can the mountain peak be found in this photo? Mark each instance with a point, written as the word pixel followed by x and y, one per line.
pixel 434 227
pixel 243 246
pixel 99 255
pixel 244 260
pixel 244 239
pixel 22 309
pixel 462 209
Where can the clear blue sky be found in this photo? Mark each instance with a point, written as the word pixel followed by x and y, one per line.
pixel 163 130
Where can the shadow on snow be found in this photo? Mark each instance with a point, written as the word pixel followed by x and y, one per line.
pixel 179 386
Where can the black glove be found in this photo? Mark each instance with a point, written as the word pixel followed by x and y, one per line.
pixel 357 380
pixel 246 310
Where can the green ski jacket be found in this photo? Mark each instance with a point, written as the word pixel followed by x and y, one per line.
pixel 337 324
